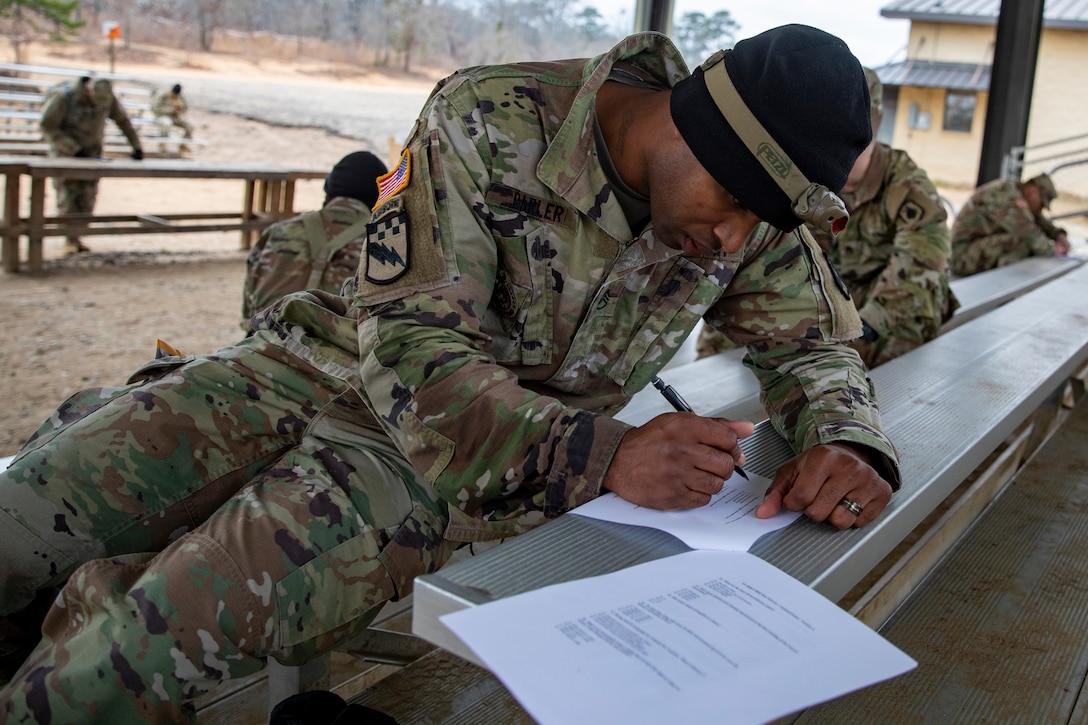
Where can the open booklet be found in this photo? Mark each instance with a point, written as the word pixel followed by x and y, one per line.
pixel 708 636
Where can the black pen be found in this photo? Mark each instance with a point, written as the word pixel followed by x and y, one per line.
pixel 676 401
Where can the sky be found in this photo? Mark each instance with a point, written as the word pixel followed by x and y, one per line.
pixel 875 40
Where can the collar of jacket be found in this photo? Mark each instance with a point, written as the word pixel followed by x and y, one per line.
pixel 872 182
pixel 569 166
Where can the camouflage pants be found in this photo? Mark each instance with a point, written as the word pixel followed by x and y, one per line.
pixel 75 196
pixel 986 253
pixel 223 512
pixel 166 122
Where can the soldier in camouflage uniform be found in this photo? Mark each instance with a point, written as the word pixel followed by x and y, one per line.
pixel 170 107
pixel 318 249
pixel 1003 222
pixel 893 255
pixel 73 121
pixel 266 500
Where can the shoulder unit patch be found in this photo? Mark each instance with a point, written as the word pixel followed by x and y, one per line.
pixel 387 248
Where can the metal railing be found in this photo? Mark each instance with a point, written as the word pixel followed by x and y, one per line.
pixel 1012 166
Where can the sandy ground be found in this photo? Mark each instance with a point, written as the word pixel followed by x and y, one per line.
pixel 92 319
pixel 89 320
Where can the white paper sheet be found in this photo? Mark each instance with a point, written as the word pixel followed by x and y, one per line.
pixel 727 523
pixel 701 637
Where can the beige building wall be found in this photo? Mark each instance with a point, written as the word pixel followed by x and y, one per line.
pixel 949 43
pixel 949 157
pixel 1059 109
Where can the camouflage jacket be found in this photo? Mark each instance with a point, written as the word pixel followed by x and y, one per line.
pixel 315 250
pixel 894 255
pixel 506 311
pixel 996 227
pixel 165 103
pixel 71 121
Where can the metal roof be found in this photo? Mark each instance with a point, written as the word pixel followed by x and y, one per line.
pixel 1059 14
pixel 926 74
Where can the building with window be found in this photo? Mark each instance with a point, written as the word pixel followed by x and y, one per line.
pixel 935 100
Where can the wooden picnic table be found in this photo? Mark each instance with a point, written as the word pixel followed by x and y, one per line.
pixel 268 196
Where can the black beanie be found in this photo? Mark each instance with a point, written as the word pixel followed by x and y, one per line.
pixel 355 176
pixel 807 90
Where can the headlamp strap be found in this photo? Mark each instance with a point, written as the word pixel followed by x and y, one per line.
pixel 812 203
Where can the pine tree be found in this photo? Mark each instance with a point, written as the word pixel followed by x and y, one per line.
pixel 28 19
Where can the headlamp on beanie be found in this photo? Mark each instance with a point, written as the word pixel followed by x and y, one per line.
pixel 813 203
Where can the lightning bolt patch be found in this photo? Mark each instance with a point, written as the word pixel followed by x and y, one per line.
pixel 387 248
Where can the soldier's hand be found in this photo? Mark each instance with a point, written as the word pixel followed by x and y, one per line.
pixel 676 460
pixel 1061 245
pixel 817 481
pixel 138 154
pixel 82 153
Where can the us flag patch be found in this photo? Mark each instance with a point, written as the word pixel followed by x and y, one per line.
pixel 392 183
pixel 387 248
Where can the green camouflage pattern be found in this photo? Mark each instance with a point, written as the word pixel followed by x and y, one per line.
pixel 71 121
pixel 283 259
pixel 461 389
pixel 169 109
pixel 893 256
pixel 996 227
pixel 283 527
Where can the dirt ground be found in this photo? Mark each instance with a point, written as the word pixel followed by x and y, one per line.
pixel 90 320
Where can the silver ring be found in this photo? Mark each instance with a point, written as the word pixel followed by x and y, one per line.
pixel 851 505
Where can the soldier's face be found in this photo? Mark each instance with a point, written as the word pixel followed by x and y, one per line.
pixel 691 211
pixel 1033 198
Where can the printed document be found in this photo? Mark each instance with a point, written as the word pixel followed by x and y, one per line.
pixel 701 637
pixel 728 522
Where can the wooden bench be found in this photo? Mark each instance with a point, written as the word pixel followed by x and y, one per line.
pixel 268 196
pixel 987 391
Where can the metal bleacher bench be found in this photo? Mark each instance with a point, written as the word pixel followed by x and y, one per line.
pixel 998 627
pixel 21 100
pixel 722 384
pixel 964 411
pixel 572 547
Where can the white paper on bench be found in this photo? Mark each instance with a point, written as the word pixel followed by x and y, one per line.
pixel 727 523
pixel 700 637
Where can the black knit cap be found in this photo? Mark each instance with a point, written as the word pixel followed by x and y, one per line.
pixel 807 90
pixel 355 176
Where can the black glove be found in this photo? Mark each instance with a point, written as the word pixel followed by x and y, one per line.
pixel 867 333
pixel 82 154
pixel 138 154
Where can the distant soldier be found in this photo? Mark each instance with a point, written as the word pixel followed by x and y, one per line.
pixel 318 249
pixel 893 254
pixel 1003 222
pixel 74 122
pixel 170 107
